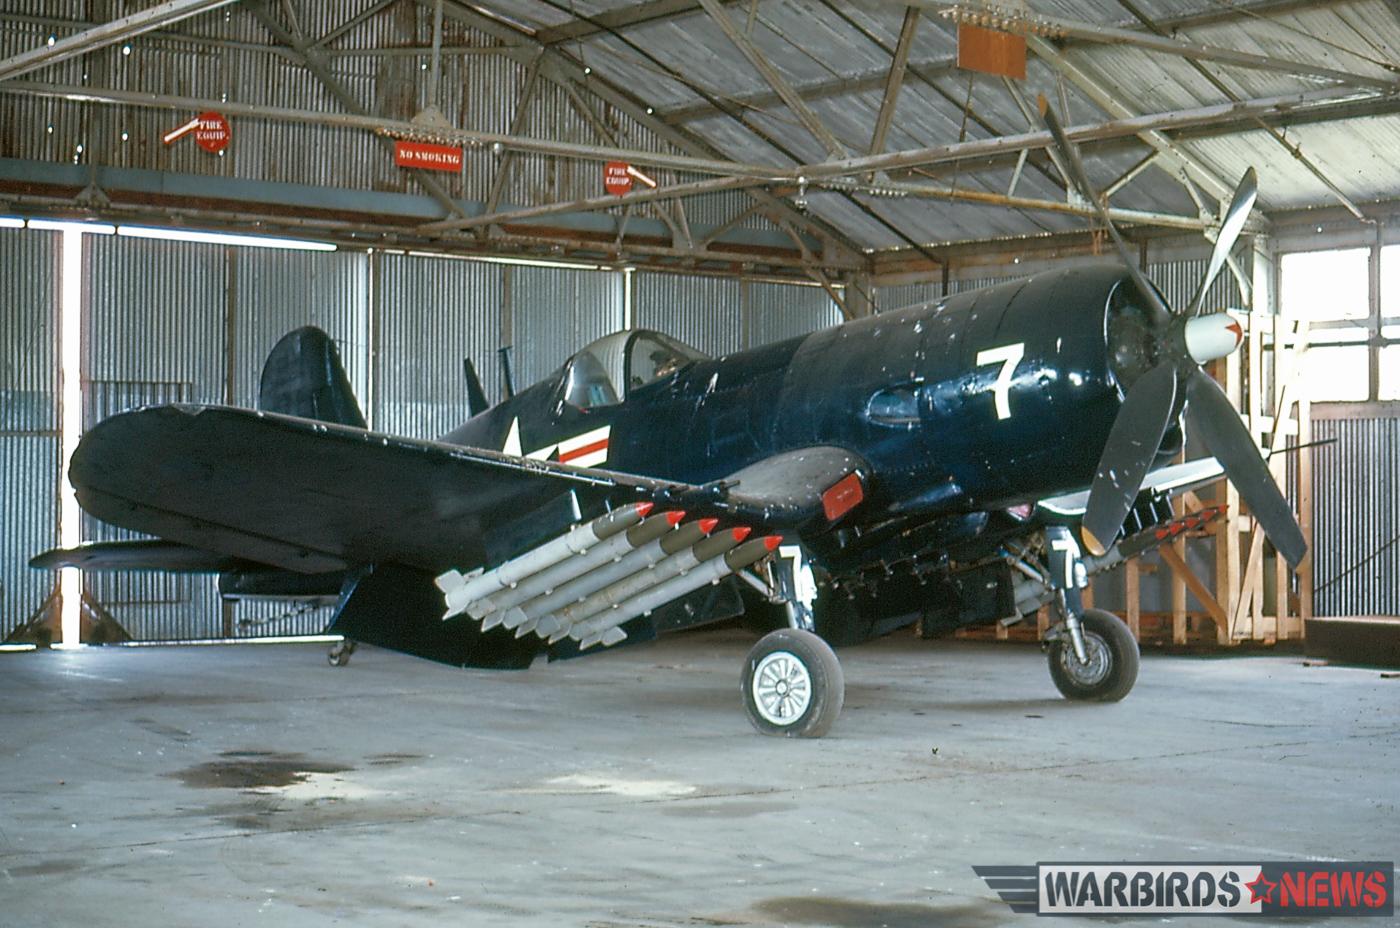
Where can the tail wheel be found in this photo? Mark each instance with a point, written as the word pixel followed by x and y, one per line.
pixel 1112 668
pixel 339 654
pixel 793 684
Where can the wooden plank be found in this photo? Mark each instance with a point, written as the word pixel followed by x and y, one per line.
pixel 1188 576
pixel 1305 504
pixel 1252 590
pixel 1227 537
pixel 1132 585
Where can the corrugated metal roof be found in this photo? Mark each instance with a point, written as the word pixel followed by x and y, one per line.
pixel 679 59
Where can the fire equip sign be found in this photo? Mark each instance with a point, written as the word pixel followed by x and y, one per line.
pixel 617 178
pixel 211 132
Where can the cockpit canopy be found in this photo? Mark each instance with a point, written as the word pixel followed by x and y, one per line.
pixel 613 366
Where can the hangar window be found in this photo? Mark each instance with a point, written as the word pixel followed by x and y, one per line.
pixel 1355 332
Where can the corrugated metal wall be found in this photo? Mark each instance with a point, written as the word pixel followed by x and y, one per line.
pixel 1356 522
pixel 154 320
pixel 898 296
pixel 720 315
pixel 556 311
pixel 29 420
pixel 429 314
pixel 275 291
pixel 779 311
pixel 705 312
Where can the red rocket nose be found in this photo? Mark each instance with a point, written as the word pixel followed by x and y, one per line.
pixel 708 525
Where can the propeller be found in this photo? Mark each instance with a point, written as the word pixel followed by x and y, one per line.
pixel 1184 341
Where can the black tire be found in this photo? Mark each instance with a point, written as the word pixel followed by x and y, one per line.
pixel 1107 638
pixel 339 654
pixel 786 659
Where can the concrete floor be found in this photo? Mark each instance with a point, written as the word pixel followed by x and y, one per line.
pixel 256 785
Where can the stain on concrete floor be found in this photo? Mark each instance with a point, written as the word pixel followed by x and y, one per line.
pixel 862 913
pixel 254 770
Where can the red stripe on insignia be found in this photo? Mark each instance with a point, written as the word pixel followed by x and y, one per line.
pixel 567 456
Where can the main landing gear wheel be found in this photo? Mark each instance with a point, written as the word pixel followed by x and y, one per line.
pixel 1112 667
pixel 339 654
pixel 793 684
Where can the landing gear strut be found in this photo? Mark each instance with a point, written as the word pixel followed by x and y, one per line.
pixel 792 681
pixel 339 654
pixel 1092 653
pixel 1111 667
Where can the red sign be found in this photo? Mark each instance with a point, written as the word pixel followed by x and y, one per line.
pixel 617 178
pixel 428 157
pixel 212 132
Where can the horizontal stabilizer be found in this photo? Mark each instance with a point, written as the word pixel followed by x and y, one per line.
pixel 145 554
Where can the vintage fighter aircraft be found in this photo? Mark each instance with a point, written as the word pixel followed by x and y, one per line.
pixel 936 462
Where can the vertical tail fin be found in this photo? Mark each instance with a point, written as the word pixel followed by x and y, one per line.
pixel 476 397
pixel 303 377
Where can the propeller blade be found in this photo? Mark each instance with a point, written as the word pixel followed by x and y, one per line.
pixel 1158 309
pixel 1228 439
pixel 1127 456
pixel 1245 195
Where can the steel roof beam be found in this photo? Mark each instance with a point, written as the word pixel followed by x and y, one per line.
pixel 642 14
pixel 1113 104
pixel 860 82
pixel 118 30
pixel 310 58
pixel 895 80
pixel 1274 134
pixel 770 74
pixel 562 68
pixel 1232 113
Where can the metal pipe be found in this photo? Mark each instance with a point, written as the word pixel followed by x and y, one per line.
pixel 437 55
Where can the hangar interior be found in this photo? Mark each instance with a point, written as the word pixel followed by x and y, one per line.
pixel 413 270
pixel 183 182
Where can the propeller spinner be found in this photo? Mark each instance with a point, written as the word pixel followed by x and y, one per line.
pixel 1185 341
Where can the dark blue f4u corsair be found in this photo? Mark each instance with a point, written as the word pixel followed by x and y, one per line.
pixel 962 462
